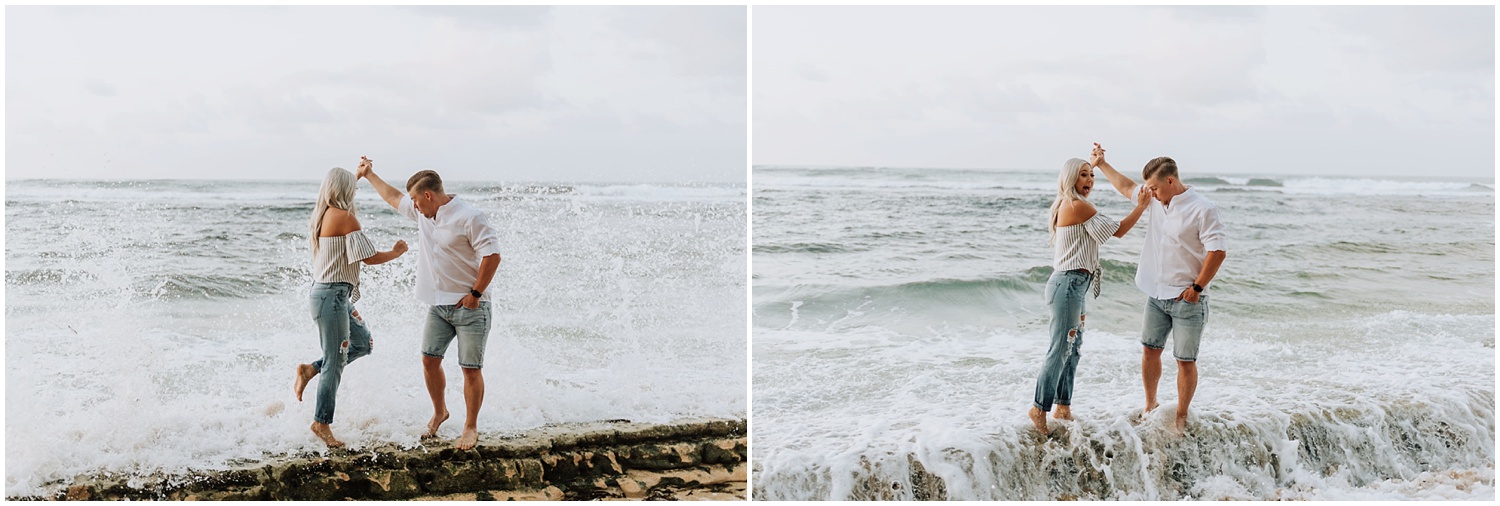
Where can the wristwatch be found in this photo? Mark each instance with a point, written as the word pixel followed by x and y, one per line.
pixel 1196 288
pixel 477 294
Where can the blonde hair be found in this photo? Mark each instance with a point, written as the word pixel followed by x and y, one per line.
pixel 1067 189
pixel 337 192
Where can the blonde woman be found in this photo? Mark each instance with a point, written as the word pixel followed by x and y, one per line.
pixel 338 249
pixel 1077 231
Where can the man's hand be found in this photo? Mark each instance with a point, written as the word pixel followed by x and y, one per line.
pixel 1188 295
pixel 469 301
pixel 365 166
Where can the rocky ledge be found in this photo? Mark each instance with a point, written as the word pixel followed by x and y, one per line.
pixel 704 459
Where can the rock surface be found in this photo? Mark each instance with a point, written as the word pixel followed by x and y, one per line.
pixel 703 459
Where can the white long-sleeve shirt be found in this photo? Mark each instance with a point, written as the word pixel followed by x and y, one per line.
pixel 453 243
pixel 1177 240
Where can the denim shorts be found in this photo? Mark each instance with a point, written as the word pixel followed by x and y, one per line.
pixel 1183 319
pixel 470 326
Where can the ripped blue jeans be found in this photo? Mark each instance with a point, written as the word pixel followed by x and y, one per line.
pixel 344 338
pixel 1065 294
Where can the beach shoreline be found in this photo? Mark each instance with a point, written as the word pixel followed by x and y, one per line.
pixel 703 458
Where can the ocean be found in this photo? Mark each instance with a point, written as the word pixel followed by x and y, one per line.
pixel 898 327
pixel 153 326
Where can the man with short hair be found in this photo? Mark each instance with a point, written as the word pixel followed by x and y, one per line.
pixel 1185 245
pixel 458 257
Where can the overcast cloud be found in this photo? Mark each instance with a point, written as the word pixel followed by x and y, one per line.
pixel 619 94
pixel 1312 90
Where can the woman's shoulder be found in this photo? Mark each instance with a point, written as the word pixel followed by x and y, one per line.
pixel 338 222
pixel 1074 211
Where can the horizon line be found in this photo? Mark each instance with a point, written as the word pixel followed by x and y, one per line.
pixel 1490 178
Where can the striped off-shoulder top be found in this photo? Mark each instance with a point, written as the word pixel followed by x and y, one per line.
pixel 339 258
pixel 1077 246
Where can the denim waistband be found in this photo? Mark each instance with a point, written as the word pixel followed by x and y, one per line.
pixel 1073 272
pixel 332 284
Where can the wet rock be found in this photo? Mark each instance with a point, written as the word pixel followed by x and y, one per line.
pixel 926 486
pixel 80 493
pixel 576 461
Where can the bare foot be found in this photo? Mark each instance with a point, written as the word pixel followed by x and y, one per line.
pixel 1039 419
pixel 467 440
pixel 1150 408
pixel 1180 426
pixel 305 373
pixel 326 434
pixel 432 425
pixel 1063 413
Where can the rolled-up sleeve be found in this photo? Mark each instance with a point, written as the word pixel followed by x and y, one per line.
pixel 482 236
pixel 407 208
pixel 1211 231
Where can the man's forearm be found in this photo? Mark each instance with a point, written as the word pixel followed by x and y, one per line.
pixel 387 192
pixel 1211 264
pixel 487 268
pixel 1119 181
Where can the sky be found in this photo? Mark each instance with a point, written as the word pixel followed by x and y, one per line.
pixel 1356 91
pixel 607 94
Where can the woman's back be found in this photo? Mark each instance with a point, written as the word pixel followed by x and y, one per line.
pixel 341 247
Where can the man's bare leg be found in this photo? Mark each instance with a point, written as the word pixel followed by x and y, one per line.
pixel 1187 383
pixel 324 432
pixel 305 373
pixel 432 371
pixel 1039 419
pixel 1150 374
pixel 1063 412
pixel 473 397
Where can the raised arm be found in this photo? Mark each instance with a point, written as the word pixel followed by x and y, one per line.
pixel 1135 214
pixel 1123 184
pixel 387 192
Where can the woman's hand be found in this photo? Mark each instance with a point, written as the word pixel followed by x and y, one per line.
pixel 399 248
pixel 365 166
pixel 1096 156
pixel 1142 196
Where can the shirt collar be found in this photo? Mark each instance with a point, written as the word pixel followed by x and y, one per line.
pixel 1187 194
pixel 1190 193
pixel 446 210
